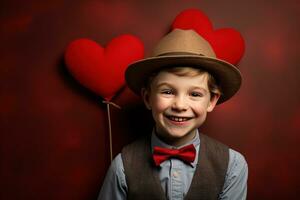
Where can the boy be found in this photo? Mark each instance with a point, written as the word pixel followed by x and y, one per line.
pixel 181 83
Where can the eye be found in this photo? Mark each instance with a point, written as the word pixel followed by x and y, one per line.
pixel 196 94
pixel 167 91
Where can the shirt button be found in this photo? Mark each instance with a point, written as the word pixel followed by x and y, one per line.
pixel 175 174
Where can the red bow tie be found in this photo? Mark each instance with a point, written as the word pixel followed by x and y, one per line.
pixel 186 154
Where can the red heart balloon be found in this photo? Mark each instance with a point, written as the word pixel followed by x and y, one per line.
pixel 102 69
pixel 227 43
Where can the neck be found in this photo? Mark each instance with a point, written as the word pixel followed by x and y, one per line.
pixel 177 141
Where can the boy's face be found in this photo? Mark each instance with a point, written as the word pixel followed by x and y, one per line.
pixel 179 105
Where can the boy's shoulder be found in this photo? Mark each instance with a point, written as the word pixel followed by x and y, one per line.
pixel 212 142
pixel 138 143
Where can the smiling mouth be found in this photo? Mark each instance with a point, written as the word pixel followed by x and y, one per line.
pixel 178 119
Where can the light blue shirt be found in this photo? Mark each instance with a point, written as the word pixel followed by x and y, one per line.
pixel 176 176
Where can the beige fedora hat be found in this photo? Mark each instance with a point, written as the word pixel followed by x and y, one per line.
pixel 185 48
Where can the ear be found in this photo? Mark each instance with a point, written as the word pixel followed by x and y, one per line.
pixel 146 98
pixel 213 102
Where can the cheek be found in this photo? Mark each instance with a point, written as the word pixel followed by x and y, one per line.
pixel 201 114
pixel 200 109
pixel 159 104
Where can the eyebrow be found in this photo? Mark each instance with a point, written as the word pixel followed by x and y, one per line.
pixel 170 85
pixel 163 84
pixel 200 88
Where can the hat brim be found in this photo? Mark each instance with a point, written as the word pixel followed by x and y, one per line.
pixel 227 75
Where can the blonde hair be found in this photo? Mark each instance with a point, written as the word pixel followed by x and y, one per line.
pixel 212 84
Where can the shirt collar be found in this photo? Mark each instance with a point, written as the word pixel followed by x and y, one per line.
pixel 155 141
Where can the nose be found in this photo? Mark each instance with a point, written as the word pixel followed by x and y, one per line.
pixel 180 104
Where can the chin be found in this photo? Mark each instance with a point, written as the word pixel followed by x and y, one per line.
pixel 176 134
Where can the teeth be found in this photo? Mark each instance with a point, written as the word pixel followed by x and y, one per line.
pixel 178 119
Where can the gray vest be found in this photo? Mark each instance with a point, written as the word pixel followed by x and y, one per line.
pixel 143 182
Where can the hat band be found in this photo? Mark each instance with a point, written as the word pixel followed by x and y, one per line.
pixel 178 53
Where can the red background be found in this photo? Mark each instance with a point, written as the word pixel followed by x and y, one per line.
pixel 53 131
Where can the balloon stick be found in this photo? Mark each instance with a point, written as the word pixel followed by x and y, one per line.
pixel 109 127
pixel 110 134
